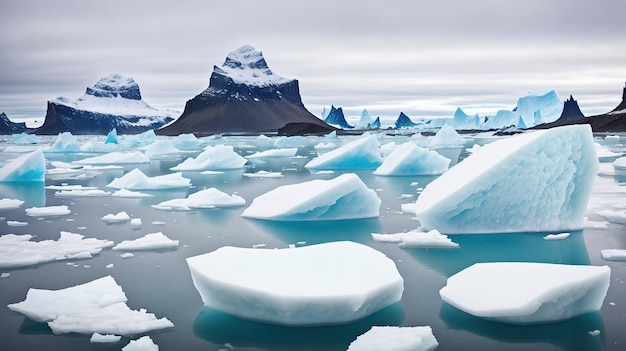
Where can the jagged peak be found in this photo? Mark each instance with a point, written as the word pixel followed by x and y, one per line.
pixel 115 85
pixel 246 65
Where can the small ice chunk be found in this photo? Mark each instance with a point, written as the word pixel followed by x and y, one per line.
pixel 303 286
pixel 130 194
pixel 16 224
pixel 614 255
pixel 154 241
pixel 30 167
pixel 216 157
pixel 286 152
pixel 527 292
pixel 135 223
pixel 104 339
pixel 446 137
pixel 158 223
pixel 362 153
pixel 206 198
pixel 48 211
pixel 115 158
pixel 137 180
pixel 595 332
pixel 5 275
pixel 144 343
pixel 264 174
pixel 344 197
pixel 81 192
pixel 109 266
pixel 417 239
pixel 559 236
pixel 127 255
pixel 258 246
pixel 395 339
pixel 116 218
pixel 408 159
pixel 612 216
pixel 8 204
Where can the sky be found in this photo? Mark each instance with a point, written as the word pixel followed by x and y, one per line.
pixel 423 58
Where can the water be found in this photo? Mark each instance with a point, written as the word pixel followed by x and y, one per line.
pixel 160 281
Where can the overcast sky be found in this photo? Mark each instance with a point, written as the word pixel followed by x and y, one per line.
pixel 425 58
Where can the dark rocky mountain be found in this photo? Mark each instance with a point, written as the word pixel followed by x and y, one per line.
pixel 114 102
pixel 9 127
pixel 244 96
pixel 336 118
pixel 571 110
pixel 404 121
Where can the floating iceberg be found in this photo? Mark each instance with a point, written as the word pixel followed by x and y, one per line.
pixel 8 204
pixel 161 148
pixel 116 218
pixel 395 339
pixel 362 153
pixel 130 194
pixel 534 182
pixel 527 292
pixel 144 343
pixel 416 238
pixel 187 142
pixel 115 158
pixel 26 168
pixel 286 152
pixel 213 158
pixel 60 210
pixel 64 143
pixel 81 193
pixel 207 198
pixel 619 166
pixel 112 137
pixel 104 339
pixel 614 255
pixel 344 197
pixel 408 159
pixel 329 283
pixel 24 138
pixel 146 138
pixel 137 180
pixel 446 137
pixel 154 241
pixel 19 251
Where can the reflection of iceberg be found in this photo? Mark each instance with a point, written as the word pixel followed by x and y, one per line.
pixel 32 193
pixel 220 328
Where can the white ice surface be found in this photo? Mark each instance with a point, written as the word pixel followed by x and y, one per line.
pixel 20 251
pixel 144 343
pixel 446 137
pixel 362 153
pixel 344 197
pixel 527 292
pixel 104 338
pixel 8 204
pixel 130 194
pixel 154 241
pixel 263 174
pixel 137 180
pixel 81 193
pixel 329 283
pixel 408 159
pixel 30 167
pixel 392 338
pixel 534 182
pixel 116 218
pixel 417 239
pixel 286 152
pixel 614 254
pixel 60 210
pixel 64 143
pixel 206 198
pixel 115 158
pixel 559 236
pixel 244 66
pixel 161 147
pixel 218 157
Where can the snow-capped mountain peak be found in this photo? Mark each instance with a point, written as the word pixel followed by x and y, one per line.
pixel 246 65
pixel 115 85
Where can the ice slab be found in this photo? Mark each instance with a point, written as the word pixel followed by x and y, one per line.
pixel 206 198
pixel 20 251
pixel 527 292
pixel 409 159
pixel 344 197
pixel 362 153
pixel 286 152
pixel 60 210
pixel 8 204
pixel 216 157
pixel 116 218
pixel 614 255
pixel 154 241
pixel 30 167
pixel 391 338
pixel 144 343
pixel 137 180
pixel 418 239
pixel 534 182
pixel 115 158
pixel 130 194
pixel 81 193
pixel 323 284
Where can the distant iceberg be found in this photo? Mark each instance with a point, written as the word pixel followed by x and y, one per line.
pixel 26 168
pixel 137 180
pixel 446 137
pixel 206 198
pixel 218 157
pixel 64 143
pixel 362 153
pixel 409 159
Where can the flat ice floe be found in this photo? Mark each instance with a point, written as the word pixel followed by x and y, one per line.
pixel 26 168
pixel 344 197
pixel 46 211
pixel 98 306
pixel 206 198
pixel 130 194
pixel 534 182
pixel 218 157
pixel 116 218
pixel 264 174
pixel 154 241
pixel 527 292
pixel 137 180
pixel 408 159
pixel 395 339
pixel 362 153
pixel 20 251
pixel 329 283
pixel 418 239
pixel 115 158
pixel 8 204
pixel 614 255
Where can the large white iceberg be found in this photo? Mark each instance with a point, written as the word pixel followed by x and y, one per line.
pixel 137 180
pixel 323 284
pixel 213 158
pixel 527 292
pixel 206 198
pixel 26 168
pixel 409 159
pixel 391 338
pixel 115 158
pixel 446 137
pixel 534 182
pixel 362 153
pixel 344 197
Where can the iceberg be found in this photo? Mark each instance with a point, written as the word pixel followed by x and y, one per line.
pixel 263 174
pixel 613 254
pixel 187 142
pixel 81 193
pixel 344 197
pixel 115 158
pixel 130 194
pixel 161 148
pixel 391 338
pixel 154 241
pixel 538 108
pixel 408 159
pixel 20 251
pixel 446 137
pixel 112 137
pixel 116 218
pixel 8 204
pixel 26 168
pixel 325 284
pixel 527 292
pixel 216 157
pixel 206 198
pixel 144 343
pixel 137 180
pixel 136 140
pixel 534 182
pixel 46 211
pixel 418 239
pixel 64 143
pixel 104 339
pixel 24 138
pixel 619 166
pixel 362 153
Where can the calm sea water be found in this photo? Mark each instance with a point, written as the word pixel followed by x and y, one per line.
pixel 160 281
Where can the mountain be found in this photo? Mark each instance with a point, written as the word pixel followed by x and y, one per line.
pixel 336 118
pixel 244 96
pixel 8 127
pixel 404 121
pixel 114 102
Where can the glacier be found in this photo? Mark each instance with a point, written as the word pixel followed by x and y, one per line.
pixel 390 338
pixel 527 292
pixel 409 159
pixel 218 157
pixel 137 180
pixel 324 284
pixel 534 182
pixel 362 153
pixel 344 197
pixel 30 167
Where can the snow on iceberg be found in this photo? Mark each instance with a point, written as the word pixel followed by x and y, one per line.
pixel 330 283
pixel 19 251
pixel 213 158
pixel 391 338
pixel 408 159
pixel 534 182
pixel 154 241
pixel 115 158
pixel 614 254
pixel 344 197
pixel 130 194
pixel 26 168
pixel 206 198
pixel 362 153
pixel 137 180
pixel 527 292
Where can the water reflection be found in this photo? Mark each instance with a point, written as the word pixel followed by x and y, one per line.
pixel 221 328
pixel 32 193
